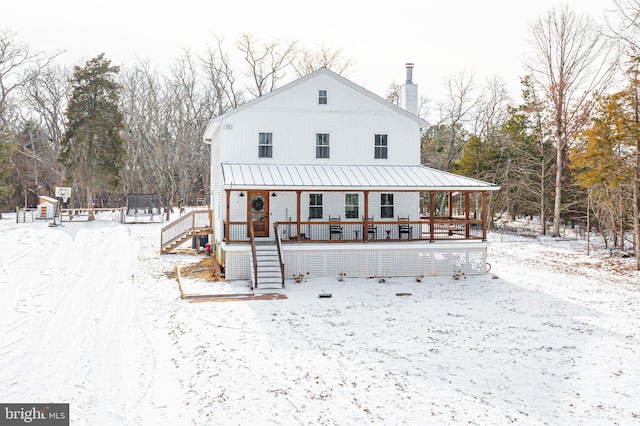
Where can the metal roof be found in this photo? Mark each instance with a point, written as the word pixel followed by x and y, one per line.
pixel 308 177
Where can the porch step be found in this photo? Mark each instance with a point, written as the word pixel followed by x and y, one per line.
pixel 273 291
pixel 269 285
pixel 268 265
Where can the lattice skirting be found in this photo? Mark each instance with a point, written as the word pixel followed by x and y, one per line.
pixel 368 260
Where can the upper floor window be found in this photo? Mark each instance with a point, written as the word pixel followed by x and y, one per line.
pixel 322 97
pixel 386 206
pixel 265 145
pixel 315 206
pixel 380 147
pixel 351 206
pixel 322 145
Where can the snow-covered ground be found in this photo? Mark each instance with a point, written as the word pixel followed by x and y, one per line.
pixel 89 316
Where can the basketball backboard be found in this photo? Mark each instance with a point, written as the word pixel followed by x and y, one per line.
pixel 63 192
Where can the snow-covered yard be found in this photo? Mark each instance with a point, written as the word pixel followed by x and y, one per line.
pixel 89 316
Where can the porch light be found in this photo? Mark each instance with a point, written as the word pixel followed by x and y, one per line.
pixel 273 194
pixel 241 194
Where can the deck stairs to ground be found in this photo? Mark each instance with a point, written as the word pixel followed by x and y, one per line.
pixel 192 224
pixel 269 276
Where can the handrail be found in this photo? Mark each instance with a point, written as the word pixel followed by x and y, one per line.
pixel 279 247
pixel 197 220
pixel 252 238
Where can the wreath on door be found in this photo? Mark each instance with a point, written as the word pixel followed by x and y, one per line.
pixel 257 204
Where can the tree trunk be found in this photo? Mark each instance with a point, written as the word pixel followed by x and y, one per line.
pixel 90 204
pixel 621 218
pixel 636 195
pixel 167 208
pixel 588 221
pixel 543 207
pixel 636 211
pixel 558 188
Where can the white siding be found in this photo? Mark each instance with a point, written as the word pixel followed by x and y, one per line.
pixel 294 117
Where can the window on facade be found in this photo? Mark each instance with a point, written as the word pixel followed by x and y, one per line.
pixel 315 206
pixel 351 206
pixel 322 97
pixel 380 149
pixel 265 145
pixel 322 145
pixel 386 206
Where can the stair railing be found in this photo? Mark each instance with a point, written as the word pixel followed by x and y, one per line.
pixel 279 247
pixel 254 254
pixel 197 220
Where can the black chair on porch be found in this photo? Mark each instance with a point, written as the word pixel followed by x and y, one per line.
pixel 372 230
pixel 335 228
pixel 404 228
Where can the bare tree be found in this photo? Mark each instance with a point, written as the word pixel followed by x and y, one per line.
pixel 490 115
pixel 457 112
pixel 221 78
pixel 534 155
pixel 308 61
pixel 572 61
pixel 626 23
pixel 164 118
pixel 266 62
pixel 45 99
pixel 18 66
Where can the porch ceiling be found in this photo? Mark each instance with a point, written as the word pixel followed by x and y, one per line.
pixel 311 177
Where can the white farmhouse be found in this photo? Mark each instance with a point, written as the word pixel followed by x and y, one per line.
pixel 325 176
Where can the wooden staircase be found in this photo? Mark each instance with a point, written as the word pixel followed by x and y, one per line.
pixel 267 266
pixel 269 271
pixel 194 223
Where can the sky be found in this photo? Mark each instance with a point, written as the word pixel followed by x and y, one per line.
pixel 483 38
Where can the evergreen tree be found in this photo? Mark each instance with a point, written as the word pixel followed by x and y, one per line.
pixel 607 162
pixel 6 150
pixel 93 148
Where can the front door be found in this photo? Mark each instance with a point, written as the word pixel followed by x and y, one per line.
pixel 258 212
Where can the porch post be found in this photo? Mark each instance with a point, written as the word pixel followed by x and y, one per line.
pixel 432 210
pixel 449 201
pixel 298 216
pixel 466 214
pixel 484 215
pixel 227 226
pixel 365 234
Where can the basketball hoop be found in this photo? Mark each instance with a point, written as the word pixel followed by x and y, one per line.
pixel 63 192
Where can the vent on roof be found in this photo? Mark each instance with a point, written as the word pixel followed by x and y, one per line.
pixel 409 67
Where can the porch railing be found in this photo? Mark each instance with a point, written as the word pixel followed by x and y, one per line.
pixel 426 229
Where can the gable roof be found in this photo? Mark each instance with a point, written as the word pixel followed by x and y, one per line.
pixel 212 128
pixel 346 178
pixel 46 199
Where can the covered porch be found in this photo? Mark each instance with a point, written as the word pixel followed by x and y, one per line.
pixel 465 219
pixel 353 220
